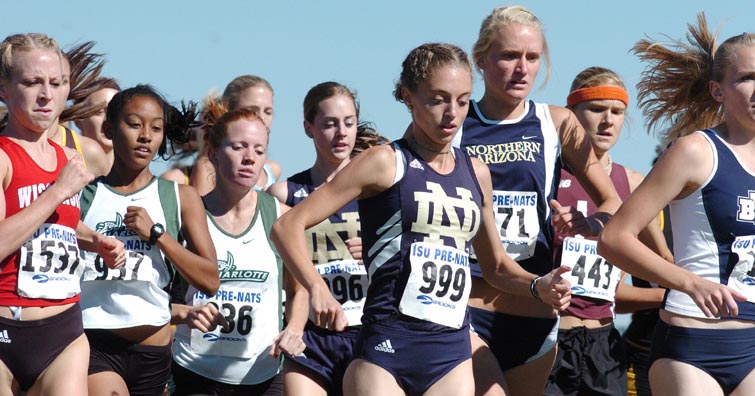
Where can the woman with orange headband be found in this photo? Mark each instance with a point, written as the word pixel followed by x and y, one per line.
pixel 591 352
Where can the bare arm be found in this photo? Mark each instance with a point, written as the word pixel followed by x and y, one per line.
pixel 498 268
pixel 18 228
pixel 369 173
pixel 203 175
pixel 197 263
pixel 96 159
pixel 578 154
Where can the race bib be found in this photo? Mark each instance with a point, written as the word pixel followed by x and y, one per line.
pixel 742 278
pixel 49 265
pixel 238 306
pixel 347 281
pixel 138 264
pixel 438 286
pixel 591 275
pixel 517 221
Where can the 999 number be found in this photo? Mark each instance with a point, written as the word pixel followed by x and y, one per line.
pixel 445 278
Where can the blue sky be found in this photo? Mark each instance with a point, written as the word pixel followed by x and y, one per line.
pixel 186 48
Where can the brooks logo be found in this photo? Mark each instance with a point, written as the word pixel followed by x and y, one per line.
pixel 4 337
pixel 385 346
pixel 416 165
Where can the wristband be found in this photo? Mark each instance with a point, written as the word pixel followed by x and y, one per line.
pixel 533 288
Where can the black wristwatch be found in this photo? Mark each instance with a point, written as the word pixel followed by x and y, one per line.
pixel 155 233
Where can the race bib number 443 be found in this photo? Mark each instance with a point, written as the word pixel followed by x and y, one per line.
pixel 591 275
pixel 438 286
pixel 742 278
pixel 50 264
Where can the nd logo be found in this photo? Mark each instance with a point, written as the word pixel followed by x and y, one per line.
pixel 746 205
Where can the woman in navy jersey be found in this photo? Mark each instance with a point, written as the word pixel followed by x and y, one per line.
pixel 591 353
pixel 331 120
pixel 421 205
pixel 524 144
pixel 43 349
pixel 704 343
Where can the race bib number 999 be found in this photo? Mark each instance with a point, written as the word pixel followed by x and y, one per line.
pixel 742 278
pixel 49 264
pixel 591 275
pixel 517 221
pixel 347 281
pixel 438 286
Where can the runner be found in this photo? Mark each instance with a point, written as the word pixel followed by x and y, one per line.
pixel 126 312
pixel 524 144
pixel 421 203
pixel 704 343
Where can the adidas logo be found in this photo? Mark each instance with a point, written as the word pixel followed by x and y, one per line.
pixel 300 193
pixel 6 340
pixel 416 165
pixel 385 346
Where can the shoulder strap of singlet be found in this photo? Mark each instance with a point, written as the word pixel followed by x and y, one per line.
pixel 87 196
pixel 68 139
pixel 167 190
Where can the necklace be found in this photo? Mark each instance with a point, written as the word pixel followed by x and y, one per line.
pixel 609 165
pixel 413 142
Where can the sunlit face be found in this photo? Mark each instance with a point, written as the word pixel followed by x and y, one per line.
pixel 137 133
pixel 91 127
pixel 440 104
pixel 261 97
pixel 36 90
pixel 241 154
pixel 511 64
pixel 736 91
pixel 602 120
pixel 334 128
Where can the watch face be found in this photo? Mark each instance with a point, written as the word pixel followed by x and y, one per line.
pixel 159 228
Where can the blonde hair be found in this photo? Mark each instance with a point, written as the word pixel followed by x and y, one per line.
pixel 596 76
pixel 238 85
pixel 674 86
pixel 505 16
pixel 23 42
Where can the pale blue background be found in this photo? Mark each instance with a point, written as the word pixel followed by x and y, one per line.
pixel 186 48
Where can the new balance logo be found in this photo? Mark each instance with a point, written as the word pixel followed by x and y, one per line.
pixel 6 340
pixel 416 165
pixel 385 346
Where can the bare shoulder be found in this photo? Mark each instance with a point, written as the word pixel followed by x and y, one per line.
pixel 275 168
pixel 279 190
pixel 6 168
pixel 560 115
pixel 177 175
pixel 634 177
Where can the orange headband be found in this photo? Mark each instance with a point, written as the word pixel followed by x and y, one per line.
pixel 595 93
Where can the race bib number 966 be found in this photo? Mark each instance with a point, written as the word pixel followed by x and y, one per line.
pixel 347 281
